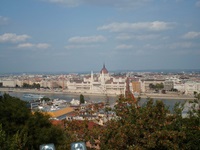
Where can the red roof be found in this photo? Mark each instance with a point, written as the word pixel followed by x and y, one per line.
pixel 104 70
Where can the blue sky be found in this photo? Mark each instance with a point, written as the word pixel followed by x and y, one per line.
pixel 81 35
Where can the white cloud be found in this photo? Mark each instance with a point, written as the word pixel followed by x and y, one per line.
pixel 25 45
pixel 124 37
pixel 127 27
pixel 138 37
pixel 87 39
pixel 42 45
pixel 130 4
pixel 124 46
pixel 3 20
pixel 191 35
pixel 30 45
pixel 80 46
pixel 68 3
pixel 11 37
pixel 182 45
pixel 121 4
pixel 198 3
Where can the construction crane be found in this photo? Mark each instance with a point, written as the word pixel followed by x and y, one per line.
pixel 129 94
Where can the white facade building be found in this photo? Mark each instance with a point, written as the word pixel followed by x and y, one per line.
pixel 102 83
pixel 191 87
pixel 8 82
pixel 146 82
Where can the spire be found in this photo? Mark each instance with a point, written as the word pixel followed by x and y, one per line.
pixel 92 76
pixel 91 80
pixel 104 70
pixel 104 65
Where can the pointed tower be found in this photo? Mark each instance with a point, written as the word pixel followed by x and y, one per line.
pixel 91 80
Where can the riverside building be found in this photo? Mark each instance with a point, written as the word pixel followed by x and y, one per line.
pixel 100 83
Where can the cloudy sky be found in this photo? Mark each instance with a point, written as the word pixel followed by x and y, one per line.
pixel 81 35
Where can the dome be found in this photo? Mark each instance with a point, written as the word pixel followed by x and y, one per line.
pixel 104 70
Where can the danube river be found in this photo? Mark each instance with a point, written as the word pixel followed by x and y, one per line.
pixel 93 98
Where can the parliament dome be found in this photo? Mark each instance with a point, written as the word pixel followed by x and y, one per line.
pixel 104 70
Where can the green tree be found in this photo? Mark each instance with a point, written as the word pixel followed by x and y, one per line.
pixel 82 99
pixel 197 95
pixel 45 99
pixel 14 114
pixel 34 85
pixel 26 85
pixel 3 141
pixel 23 129
pixel 158 86
pixel 148 127
pixel 190 124
pixel 40 131
pixel 151 86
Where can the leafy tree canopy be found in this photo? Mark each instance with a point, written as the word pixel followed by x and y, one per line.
pixel 21 129
pixel 150 127
pixel 82 99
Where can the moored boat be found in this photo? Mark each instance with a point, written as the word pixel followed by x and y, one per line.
pixel 33 96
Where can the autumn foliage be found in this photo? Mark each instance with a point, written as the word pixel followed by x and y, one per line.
pixel 150 127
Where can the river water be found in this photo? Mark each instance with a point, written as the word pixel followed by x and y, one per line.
pixel 92 98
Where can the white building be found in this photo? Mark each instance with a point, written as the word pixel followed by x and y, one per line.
pixel 146 82
pixel 8 82
pixel 179 86
pixel 98 83
pixel 191 87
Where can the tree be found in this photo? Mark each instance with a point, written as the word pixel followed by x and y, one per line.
pixel 174 90
pixel 82 130
pixel 26 85
pixel 158 86
pixel 34 85
pixel 39 131
pixel 23 129
pixel 148 127
pixel 197 95
pixel 190 124
pixel 14 114
pixel 3 141
pixel 17 86
pixel 151 86
pixel 82 100
pixel 45 99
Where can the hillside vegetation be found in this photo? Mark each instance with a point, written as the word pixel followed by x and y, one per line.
pixel 150 127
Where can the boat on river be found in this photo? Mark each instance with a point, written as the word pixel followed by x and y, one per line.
pixel 33 96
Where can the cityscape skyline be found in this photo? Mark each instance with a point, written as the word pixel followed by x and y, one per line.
pixel 81 35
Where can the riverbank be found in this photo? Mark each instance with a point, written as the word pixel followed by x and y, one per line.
pixel 48 91
pixel 143 95
pixel 166 96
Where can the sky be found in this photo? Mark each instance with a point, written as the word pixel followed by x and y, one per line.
pixel 82 35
